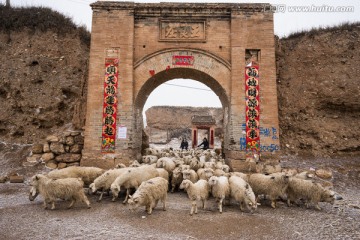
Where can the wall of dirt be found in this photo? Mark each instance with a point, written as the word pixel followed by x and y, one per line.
pixel 164 122
pixel 318 91
pixel 43 76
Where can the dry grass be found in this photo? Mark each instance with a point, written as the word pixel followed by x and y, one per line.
pixel 314 31
pixel 39 19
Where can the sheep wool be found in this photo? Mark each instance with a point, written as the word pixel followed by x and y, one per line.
pixel 220 189
pixel 198 191
pixel 87 174
pixel 242 192
pixel 105 180
pixel 149 193
pixel 132 178
pixel 66 189
pixel 312 193
pixel 190 175
pixel 273 186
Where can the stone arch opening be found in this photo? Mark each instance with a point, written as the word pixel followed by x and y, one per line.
pixel 166 75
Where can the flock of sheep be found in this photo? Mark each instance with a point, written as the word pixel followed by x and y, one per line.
pixel 199 173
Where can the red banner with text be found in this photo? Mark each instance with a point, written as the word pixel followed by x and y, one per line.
pixel 252 108
pixel 109 105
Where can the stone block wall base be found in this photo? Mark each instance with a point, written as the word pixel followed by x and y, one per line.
pixel 104 163
pixel 270 156
pixel 239 166
pixel 107 161
pixel 238 155
pixel 237 163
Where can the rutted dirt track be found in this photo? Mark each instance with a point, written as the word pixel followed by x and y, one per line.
pixel 22 219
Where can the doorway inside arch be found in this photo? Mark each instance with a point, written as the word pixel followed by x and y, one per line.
pixel 178 101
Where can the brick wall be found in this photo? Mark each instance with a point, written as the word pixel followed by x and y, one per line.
pixel 146 61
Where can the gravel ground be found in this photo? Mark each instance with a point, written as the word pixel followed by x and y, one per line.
pixel 22 219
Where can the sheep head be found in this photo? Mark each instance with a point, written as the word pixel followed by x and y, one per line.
pixel 185 184
pixel 115 189
pixel 213 180
pixel 328 196
pixel 134 202
pixel 93 187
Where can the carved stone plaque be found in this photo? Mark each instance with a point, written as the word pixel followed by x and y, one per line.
pixel 187 31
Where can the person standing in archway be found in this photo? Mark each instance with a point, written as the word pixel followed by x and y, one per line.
pixel 205 144
pixel 184 144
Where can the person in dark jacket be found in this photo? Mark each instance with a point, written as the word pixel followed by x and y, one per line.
pixel 184 144
pixel 205 144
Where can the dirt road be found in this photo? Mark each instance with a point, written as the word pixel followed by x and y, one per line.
pixel 22 219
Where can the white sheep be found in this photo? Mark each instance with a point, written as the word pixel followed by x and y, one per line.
pixel 201 173
pixel 225 168
pixel 87 175
pixel 289 171
pixel 211 165
pixel 242 192
pixel 308 191
pixel 187 159
pixel 220 172
pixel 198 191
pixel 163 173
pixel 149 193
pixel 242 175
pixel 152 151
pixel 176 178
pixel 149 159
pixel 167 163
pixel 135 163
pixel 195 164
pixel 218 165
pixel 105 180
pixel 190 175
pixel 179 162
pixel 132 178
pixel 66 189
pixel 273 186
pixel 120 165
pixel 220 189
pixel 169 166
pixel 304 175
pixel 205 173
pixel 185 167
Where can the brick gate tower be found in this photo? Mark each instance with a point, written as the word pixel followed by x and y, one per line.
pixel 135 47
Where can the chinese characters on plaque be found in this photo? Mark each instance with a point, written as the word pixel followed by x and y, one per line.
pixel 182 31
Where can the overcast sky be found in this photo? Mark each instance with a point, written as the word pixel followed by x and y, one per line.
pixel 291 16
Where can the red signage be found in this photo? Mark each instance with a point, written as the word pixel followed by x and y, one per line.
pixel 183 60
pixel 109 105
pixel 252 108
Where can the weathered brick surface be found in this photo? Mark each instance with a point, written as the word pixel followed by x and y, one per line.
pixel 145 62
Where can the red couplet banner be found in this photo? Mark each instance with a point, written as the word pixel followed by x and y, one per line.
pixel 252 108
pixel 109 105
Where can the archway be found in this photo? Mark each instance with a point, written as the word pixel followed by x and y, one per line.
pixel 202 69
pixel 144 45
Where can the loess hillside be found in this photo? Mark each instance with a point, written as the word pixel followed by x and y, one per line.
pixel 319 91
pixel 43 73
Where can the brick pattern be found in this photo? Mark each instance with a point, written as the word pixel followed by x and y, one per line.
pixel 145 63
